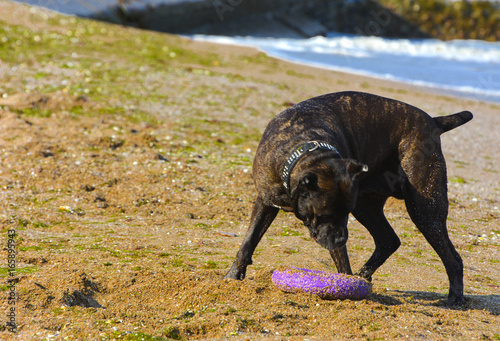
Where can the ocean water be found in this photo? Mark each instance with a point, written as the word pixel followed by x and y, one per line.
pixel 468 68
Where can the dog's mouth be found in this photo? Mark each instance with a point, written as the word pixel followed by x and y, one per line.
pixel 331 246
pixel 331 243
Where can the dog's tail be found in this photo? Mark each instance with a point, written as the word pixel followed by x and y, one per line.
pixel 446 123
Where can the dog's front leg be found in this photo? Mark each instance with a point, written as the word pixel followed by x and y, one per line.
pixel 261 219
pixel 341 260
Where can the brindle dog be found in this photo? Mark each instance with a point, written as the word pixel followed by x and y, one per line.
pixel 348 152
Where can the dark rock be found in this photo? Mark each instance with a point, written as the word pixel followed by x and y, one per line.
pixel 277 18
pixel 303 24
pixel 161 157
pixel 88 188
pixel 46 153
pixel 100 198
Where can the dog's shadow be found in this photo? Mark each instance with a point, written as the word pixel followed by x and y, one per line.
pixel 490 303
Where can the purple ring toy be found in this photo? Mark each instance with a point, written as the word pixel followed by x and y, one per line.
pixel 326 285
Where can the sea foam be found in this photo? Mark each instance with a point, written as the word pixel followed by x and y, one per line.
pixel 468 68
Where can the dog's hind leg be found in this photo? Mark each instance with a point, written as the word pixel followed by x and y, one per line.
pixel 369 211
pixel 426 198
pixel 261 219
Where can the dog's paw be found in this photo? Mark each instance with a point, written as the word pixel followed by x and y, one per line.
pixel 235 273
pixel 365 273
pixel 456 301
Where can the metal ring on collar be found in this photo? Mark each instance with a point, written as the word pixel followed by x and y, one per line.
pixel 316 145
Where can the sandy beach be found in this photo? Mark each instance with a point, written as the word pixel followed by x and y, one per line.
pixel 126 175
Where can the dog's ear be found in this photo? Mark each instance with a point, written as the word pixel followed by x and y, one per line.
pixel 356 168
pixel 347 184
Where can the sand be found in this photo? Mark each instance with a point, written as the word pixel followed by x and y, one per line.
pixel 127 178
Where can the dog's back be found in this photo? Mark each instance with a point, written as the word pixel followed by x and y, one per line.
pixel 364 126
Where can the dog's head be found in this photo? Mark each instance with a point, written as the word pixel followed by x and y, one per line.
pixel 323 197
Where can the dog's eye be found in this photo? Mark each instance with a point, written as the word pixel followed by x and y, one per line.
pixel 324 218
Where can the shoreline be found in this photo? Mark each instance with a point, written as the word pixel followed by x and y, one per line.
pixel 468 91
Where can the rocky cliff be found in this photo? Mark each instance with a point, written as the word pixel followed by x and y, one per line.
pixel 290 18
